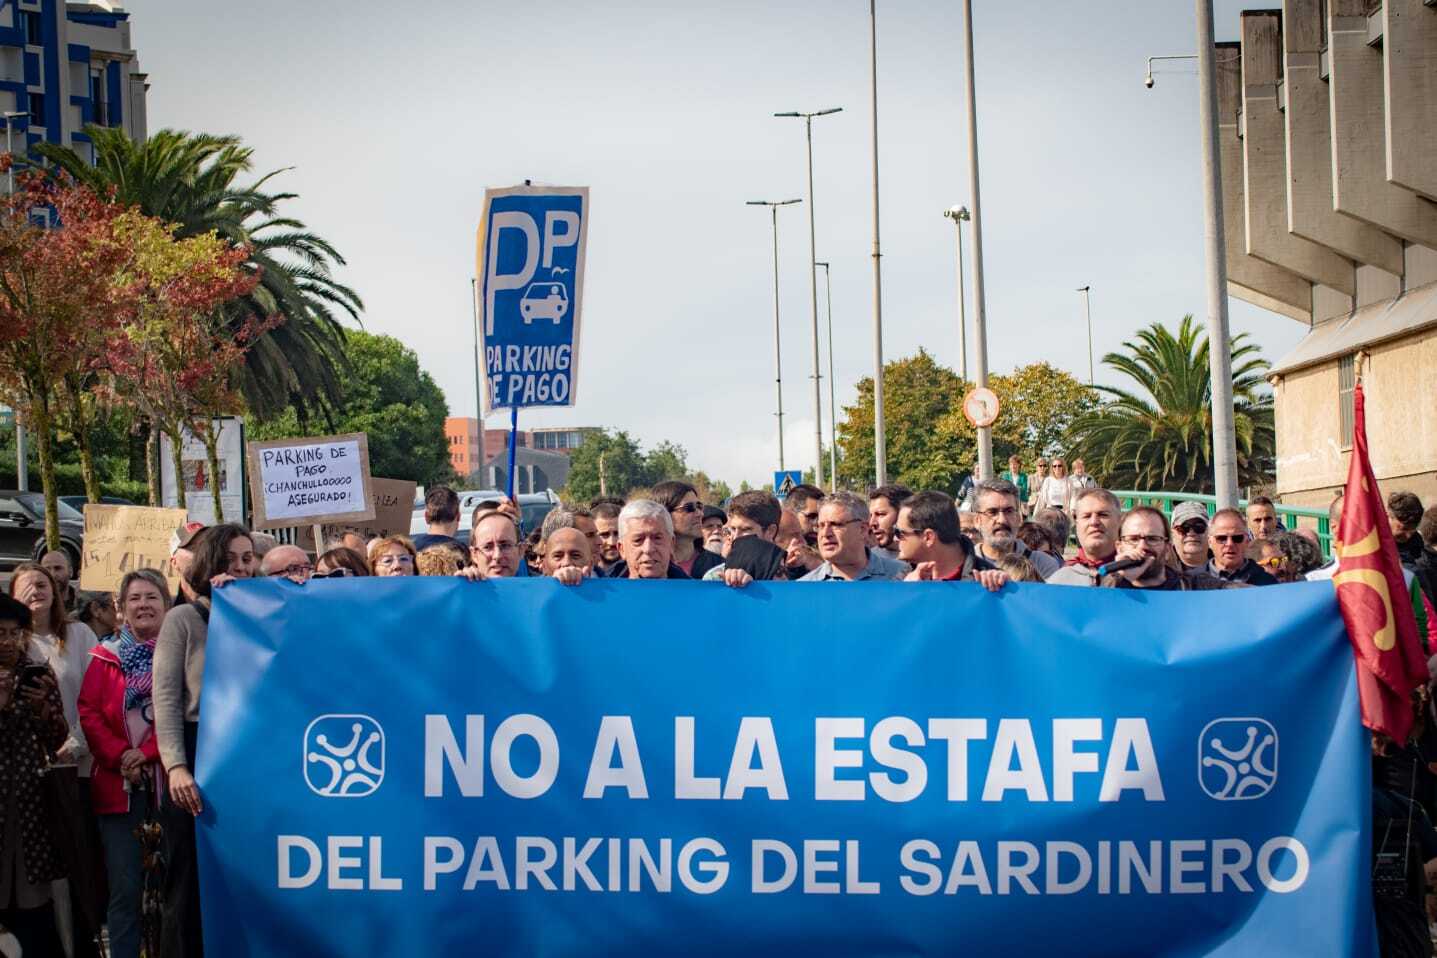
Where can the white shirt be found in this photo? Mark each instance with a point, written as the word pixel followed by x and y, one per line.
pixel 69 666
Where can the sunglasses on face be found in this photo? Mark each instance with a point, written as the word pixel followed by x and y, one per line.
pixel 1237 539
pixel 689 507
pixel 339 572
pixel 900 534
pixel 1195 528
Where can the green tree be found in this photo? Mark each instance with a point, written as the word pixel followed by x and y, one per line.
pixel 1038 405
pixel 389 397
pixel 918 393
pixel 1159 436
pixel 667 460
pixel 606 463
pixel 190 180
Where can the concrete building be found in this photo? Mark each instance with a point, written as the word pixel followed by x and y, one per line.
pixel 64 65
pixel 1328 128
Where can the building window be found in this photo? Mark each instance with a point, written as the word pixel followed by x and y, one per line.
pixel 100 106
pixel 37 109
pixel 1346 379
pixel 32 27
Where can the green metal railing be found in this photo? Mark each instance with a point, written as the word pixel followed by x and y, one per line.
pixel 1286 515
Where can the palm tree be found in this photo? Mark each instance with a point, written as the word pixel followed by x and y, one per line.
pixel 189 179
pixel 1163 441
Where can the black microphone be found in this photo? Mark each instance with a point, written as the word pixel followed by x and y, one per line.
pixel 1118 565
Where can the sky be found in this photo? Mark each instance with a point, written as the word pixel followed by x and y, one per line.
pixel 392 119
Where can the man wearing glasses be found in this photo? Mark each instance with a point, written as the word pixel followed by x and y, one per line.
pixel 929 539
pixel 997 507
pixel 494 547
pixel 292 562
pixel 1144 536
pixel 843 544
pixel 1230 562
pixel 1190 535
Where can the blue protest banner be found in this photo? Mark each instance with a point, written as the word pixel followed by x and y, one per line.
pixel 530 263
pixel 513 767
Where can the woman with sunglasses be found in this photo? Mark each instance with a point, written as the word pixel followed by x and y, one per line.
pixel 687 511
pixel 340 562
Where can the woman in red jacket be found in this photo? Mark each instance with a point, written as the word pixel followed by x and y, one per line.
pixel 119 723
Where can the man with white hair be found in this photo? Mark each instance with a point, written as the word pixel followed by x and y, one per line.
pixel 292 562
pixel 843 544
pixel 646 543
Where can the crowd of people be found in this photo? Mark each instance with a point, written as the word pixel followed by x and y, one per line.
pixel 112 686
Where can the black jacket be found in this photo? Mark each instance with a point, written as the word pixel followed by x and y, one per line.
pixel 704 560
pixel 1249 573
pixel 1422 563
pixel 620 570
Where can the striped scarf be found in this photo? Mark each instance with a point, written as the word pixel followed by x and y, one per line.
pixel 135 658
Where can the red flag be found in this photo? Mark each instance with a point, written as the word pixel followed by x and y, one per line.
pixel 1374 598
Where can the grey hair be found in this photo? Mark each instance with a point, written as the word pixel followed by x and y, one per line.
pixel 995 487
pixel 857 507
pixel 144 575
pixel 645 510
pixel 561 518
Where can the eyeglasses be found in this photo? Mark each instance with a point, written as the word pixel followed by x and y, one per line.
pixel 1237 539
pixel 995 513
pixel 1192 528
pixel 388 561
pixel 299 568
pixel 1143 540
pixel 1271 562
pixel 901 534
pixel 689 507
pixel 835 526
pixel 496 546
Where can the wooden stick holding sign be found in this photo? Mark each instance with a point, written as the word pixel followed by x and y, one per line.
pixel 310 481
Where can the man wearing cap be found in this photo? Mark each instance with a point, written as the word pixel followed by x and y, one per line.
pixel 181 555
pixel 1190 535
pixel 714 521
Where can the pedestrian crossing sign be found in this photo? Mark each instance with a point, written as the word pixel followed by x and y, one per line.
pixel 784 480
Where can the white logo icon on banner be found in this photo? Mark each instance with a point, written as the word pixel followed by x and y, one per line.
pixel 343 756
pixel 1237 758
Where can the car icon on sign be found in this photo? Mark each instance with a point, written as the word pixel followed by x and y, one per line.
pixel 544 301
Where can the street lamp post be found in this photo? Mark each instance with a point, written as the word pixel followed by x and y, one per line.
pixel 980 326
pixel 813 290
pixel 773 206
pixel 880 446
pixel 22 474
pixel 1224 438
pixel 959 215
pixel 1088 314
pixel 832 393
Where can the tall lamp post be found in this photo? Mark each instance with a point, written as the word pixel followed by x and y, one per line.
pixel 773 206
pixel 880 445
pixel 980 326
pixel 1224 438
pixel 1088 314
pixel 959 215
pixel 813 290
pixel 832 393
pixel 22 474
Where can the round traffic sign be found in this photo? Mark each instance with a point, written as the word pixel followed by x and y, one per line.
pixel 981 406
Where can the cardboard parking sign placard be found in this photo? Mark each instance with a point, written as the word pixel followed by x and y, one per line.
pixel 531 268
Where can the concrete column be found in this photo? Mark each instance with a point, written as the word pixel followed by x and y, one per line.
pixel 1308 124
pixel 1409 47
pixel 1264 151
pixel 1248 278
pixel 1359 162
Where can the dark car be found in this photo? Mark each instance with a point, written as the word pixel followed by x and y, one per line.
pixel 78 502
pixel 22 529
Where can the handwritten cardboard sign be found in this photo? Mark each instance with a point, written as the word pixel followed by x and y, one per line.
pixel 120 539
pixel 317 479
pixel 393 509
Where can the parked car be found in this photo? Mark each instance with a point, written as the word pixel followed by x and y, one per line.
pixel 533 507
pixel 22 529
pixel 78 502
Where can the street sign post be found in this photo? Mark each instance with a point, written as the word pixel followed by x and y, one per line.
pixel 784 480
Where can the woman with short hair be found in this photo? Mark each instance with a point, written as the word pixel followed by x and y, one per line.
pixel 340 561
pixel 391 555
pixel 118 716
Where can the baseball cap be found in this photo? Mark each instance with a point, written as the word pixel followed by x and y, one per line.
pixel 714 512
pixel 1187 511
pixel 184 534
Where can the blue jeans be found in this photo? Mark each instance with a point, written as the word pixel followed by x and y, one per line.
pixel 126 873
